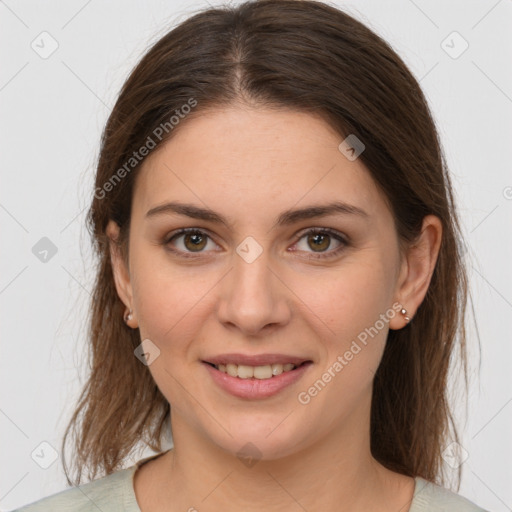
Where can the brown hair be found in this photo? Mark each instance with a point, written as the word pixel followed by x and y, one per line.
pixel 310 57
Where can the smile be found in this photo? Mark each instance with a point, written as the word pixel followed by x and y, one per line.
pixel 243 371
pixel 266 377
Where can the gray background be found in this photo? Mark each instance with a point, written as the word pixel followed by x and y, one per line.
pixel 52 111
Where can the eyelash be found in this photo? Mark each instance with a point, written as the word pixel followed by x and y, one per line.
pixel 313 231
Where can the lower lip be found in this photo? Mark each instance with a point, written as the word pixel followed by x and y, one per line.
pixel 256 388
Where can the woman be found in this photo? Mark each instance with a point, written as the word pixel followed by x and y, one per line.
pixel 280 278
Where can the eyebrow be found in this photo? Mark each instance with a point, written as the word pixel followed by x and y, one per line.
pixel 285 218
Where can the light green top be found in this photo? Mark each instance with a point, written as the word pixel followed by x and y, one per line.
pixel 115 493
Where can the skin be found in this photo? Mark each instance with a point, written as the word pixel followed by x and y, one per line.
pixel 250 165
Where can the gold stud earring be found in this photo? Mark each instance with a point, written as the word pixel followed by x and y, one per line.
pixel 128 316
pixel 406 318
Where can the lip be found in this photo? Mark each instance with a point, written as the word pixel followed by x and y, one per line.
pixel 255 360
pixel 256 389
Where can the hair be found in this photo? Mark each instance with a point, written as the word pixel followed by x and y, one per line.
pixel 310 57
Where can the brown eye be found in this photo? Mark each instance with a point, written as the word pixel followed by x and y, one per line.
pixel 319 242
pixel 194 241
pixel 188 241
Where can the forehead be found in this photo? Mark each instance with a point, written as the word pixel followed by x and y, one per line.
pixel 254 158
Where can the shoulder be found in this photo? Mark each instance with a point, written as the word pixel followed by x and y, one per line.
pixel 111 493
pixel 430 497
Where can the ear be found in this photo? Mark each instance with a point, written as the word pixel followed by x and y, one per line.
pixel 120 271
pixel 416 269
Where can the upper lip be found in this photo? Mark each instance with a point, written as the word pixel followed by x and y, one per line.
pixel 255 360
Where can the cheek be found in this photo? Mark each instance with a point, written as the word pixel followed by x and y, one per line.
pixel 350 311
pixel 170 314
pixel 167 298
pixel 348 299
pixel 352 351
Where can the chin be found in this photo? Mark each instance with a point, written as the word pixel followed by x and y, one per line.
pixel 262 440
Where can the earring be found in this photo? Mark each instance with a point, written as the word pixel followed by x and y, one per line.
pixel 406 318
pixel 127 316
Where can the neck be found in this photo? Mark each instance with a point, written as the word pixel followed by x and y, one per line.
pixel 336 472
pixel 314 479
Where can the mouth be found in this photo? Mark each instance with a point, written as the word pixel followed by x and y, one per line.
pixel 267 371
pixel 255 377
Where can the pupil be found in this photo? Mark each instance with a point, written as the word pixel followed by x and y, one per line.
pixel 316 237
pixel 196 239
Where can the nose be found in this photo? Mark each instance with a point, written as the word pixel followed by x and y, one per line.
pixel 253 298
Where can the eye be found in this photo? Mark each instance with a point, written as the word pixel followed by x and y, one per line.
pixel 193 241
pixel 320 240
pixel 187 241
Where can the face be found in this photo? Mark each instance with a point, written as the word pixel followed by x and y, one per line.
pixel 258 284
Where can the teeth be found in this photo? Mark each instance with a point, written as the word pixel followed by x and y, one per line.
pixel 232 369
pixel 243 371
pixel 260 372
pixel 277 369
